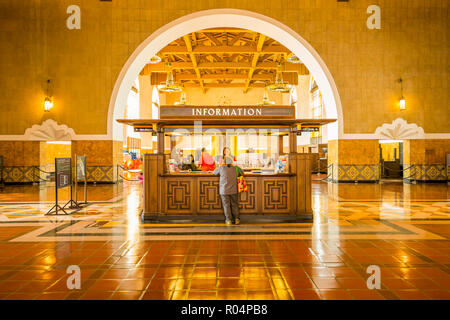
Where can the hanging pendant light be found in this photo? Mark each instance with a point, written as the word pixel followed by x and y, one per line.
pixel 155 59
pixel 170 86
pixel 279 85
pixel 265 100
pixel 183 100
pixel 294 59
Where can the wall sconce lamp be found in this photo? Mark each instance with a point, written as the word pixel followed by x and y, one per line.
pixel 48 101
pixel 402 101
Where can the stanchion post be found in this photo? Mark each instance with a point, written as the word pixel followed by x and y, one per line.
pixel 76 180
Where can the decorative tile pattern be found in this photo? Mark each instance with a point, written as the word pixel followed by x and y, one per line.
pixel 22 174
pixel 423 172
pixel 100 174
pixel 343 173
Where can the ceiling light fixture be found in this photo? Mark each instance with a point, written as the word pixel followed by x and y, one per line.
pixel 294 59
pixel 265 100
pixel 170 86
pixel 183 100
pixel 155 59
pixel 279 85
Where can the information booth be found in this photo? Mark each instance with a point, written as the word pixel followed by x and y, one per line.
pixel 262 140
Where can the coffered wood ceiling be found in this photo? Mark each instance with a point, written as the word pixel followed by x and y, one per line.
pixel 224 58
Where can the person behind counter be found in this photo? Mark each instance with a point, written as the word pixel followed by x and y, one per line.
pixel 206 162
pixel 226 153
pixel 190 165
pixel 228 189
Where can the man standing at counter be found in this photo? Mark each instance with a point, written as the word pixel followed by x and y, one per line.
pixel 228 190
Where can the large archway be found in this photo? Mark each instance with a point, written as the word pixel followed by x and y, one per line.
pixel 225 18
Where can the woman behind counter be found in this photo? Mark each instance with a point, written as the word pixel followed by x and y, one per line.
pixel 227 153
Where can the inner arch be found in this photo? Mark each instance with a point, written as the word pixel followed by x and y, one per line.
pixel 233 18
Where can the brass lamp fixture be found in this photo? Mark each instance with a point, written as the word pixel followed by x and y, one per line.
pixel 265 100
pixel 183 99
pixel 292 58
pixel 279 85
pixel 170 86
pixel 402 101
pixel 48 101
pixel 155 59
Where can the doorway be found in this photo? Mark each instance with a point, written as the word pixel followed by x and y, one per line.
pixel 391 160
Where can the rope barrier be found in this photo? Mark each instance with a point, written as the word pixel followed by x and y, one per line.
pixel 36 167
pixel 127 170
pixel 128 179
pixel 41 179
pixel 329 174
pixel 412 169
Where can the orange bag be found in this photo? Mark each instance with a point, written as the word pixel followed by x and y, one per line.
pixel 242 185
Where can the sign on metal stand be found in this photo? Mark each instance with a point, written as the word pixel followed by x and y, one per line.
pixel 80 174
pixel 63 178
pixel 71 203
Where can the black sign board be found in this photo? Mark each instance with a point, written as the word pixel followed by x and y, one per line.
pixel 309 129
pixel 63 169
pixel 142 129
pixel 81 167
pixel 63 178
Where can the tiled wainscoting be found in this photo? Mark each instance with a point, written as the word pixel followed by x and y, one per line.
pixel 425 172
pixel 30 174
pixel 350 173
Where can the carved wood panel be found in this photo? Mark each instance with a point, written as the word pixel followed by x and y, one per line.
pixel 179 196
pixel 247 200
pixel 275 195
pixel 209 200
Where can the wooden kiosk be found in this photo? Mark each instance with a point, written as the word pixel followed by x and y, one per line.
pixel 271 192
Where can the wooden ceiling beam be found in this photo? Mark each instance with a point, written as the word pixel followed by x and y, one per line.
pixel 212 39
pixel 219 76
pixel 224 49
pixel 230 30
pixel 187 40
pixel 224 85
pixel 259 48
pixel 287 67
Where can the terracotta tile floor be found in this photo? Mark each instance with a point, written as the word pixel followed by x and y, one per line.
pixel 406 235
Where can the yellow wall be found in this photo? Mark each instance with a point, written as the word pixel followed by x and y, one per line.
pixel 50 151
pixel 225 96
pixel 99 153
pixel 84 64
pixel 20 153
pixel 353 152
pixel 426 151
